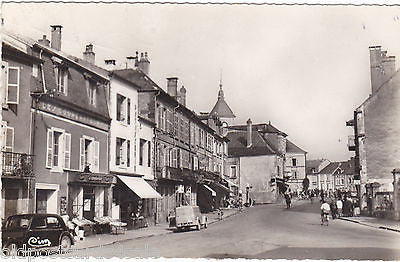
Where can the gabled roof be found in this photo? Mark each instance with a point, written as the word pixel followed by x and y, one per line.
pixel 313 164
pixel 237 145
pixel 292 148
pixel 331 168
pixel 221 108
pixel 263 128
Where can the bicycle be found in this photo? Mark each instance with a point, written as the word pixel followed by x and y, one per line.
pixel 324 219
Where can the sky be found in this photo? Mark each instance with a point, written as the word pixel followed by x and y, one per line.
pixel 304 68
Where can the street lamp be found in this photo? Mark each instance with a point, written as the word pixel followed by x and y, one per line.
pixel 247 194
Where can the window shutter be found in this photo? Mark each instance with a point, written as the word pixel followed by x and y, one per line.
pixel 9 144
pixel 123 154
pixel 96 152
pixel 13 85
pixel 49 153
pixel 128 153
pixel 128 111
pixel 82 154
pixel 67 150
pixel 4 77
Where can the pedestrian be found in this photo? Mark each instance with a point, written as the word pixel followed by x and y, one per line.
pixel 288 200
pixel 332 205
pixel 325 208
pixel 339 205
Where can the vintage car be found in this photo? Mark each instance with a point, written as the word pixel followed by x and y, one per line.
pixel 189 216
pixel 36 231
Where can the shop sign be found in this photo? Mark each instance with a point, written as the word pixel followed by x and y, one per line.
pixel 85 177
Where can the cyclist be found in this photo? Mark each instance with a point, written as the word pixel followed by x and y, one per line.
pixel 325 208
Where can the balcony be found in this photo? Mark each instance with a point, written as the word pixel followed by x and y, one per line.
pixel 351 143
pixel 17 165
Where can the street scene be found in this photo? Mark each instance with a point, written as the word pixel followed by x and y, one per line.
pixel 181 131
pixel 270 232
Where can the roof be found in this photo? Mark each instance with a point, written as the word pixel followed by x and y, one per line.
pixel 331 168
pixel 137 77
pixel 264 128
pixel 237 145
pixel 313 164
pixel 221 108
pixel 292 148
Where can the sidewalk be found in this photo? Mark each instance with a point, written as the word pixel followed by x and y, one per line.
pixel 153 230
pixel 375 222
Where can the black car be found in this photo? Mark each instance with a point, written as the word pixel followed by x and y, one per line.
pixel 36 231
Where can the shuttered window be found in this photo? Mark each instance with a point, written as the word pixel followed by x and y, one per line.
pixel 13 85
pixel 49 153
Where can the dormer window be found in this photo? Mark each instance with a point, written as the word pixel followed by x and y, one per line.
pixel 61 76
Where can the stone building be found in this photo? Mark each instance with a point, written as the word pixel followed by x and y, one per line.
pixel 257 153
pixel 375 140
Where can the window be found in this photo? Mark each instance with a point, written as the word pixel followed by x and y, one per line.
pixel 58 149
pixel 61 74
pixel 233 171
pixel 295 175
pixel 53 222
pixel 11 82
pixel 89 154
pixel 92 90
pixel 342 181
pixel 122 152
pixel 121 108
pixel 294 161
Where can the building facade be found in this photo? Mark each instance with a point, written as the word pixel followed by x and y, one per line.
pixel 20 76
pixel 71 126
pixel 375 140
pixel 257 154
pixel 295 166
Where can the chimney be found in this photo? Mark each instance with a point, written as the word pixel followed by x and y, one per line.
pixel 56 37
pixel 389 67
pixel 44 41
pixel 131 62
pixel 249 133
pixel 182 96
pixel 89 55
pixel 382 67
pixel 144 63
pixel 110 64
pixel 172 86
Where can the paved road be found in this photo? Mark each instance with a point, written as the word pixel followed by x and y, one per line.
pixel 268 231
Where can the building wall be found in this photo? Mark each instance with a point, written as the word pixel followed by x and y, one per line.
pixel 382 135
pixel 44 175
pixel 296 181
pixel 122 129
pixel 18 116
pixel 146 132
pixel 257 171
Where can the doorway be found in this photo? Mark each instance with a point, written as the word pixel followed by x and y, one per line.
pixel 11 201
pixel 88 202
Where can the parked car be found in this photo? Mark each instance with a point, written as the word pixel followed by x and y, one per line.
pixel 189 216
pixel 36 231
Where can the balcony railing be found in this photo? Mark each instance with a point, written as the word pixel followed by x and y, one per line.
pixel 17 165
pixel 351 143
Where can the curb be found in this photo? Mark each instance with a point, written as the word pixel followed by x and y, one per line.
pixel 370 225
pixel 145 236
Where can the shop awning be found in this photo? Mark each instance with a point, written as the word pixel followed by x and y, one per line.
pixel 140 187
pixel 213 193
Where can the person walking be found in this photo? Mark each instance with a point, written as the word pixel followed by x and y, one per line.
pixel 288 201
pixel 339 205
pixel 325 208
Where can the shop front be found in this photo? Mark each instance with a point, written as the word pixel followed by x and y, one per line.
pixel 135 199
pixel 89 195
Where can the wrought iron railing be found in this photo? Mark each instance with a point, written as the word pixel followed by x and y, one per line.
pixel 17 164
